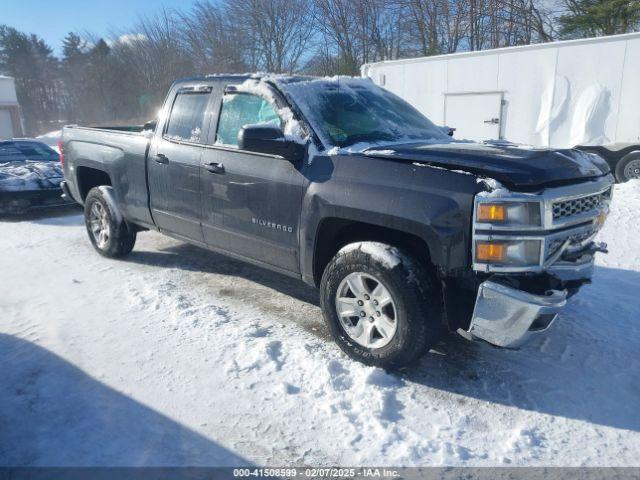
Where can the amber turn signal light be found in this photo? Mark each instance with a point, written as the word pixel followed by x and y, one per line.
pixel 491 252
pixel 491 212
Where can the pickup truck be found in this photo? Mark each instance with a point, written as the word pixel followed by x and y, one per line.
pixel 406 232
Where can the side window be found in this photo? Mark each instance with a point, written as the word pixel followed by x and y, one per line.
pixel 239 109
pixel 187 116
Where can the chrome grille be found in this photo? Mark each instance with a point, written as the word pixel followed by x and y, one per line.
pixel 575 239
pixel 576 206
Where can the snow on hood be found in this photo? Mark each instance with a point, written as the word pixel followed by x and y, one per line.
pixel 30 175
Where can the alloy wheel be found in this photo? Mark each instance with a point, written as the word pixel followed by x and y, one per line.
pixel 366 310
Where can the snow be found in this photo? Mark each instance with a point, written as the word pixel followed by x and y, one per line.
pixel 380 152
pixel 177 356
pixel 374 148
pixel 463 172
pixel 292 128
pixel 388 256
pixel 493 186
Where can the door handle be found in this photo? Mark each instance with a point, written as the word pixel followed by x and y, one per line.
pixel 492 121
pixel 215 167
pixel 161 158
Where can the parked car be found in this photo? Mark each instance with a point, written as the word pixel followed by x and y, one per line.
pixel 405 231
pixel 30 176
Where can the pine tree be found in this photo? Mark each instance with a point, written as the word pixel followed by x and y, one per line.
pixel 590 18
pixel 30 61
pixel 74 65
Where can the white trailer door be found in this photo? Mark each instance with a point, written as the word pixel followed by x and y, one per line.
pixel 475 116
pixel 6 125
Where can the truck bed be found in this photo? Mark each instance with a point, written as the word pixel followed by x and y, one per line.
pixel 120 152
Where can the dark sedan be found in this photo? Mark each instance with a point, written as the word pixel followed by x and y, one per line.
pixel 30 176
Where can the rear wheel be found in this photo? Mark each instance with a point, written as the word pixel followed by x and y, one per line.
pixel 108 232
pixel 380 304
pixel 628 168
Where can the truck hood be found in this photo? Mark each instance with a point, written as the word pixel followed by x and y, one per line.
pixel 30 175
pixel 510 164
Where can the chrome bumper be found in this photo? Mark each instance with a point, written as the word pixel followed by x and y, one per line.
pixel 507 317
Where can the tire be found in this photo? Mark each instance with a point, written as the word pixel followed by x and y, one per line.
pixel 101 215
pixel 415 304
pixel 629 162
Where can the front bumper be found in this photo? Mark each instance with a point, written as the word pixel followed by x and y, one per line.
pixel 508 317
pixel 21 201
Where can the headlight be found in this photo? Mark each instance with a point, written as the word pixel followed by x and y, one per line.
pixel 508 252
pixel 509 213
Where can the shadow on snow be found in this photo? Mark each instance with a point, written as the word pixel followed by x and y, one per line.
pixel 54 414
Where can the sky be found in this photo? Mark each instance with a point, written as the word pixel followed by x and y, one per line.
pixel 53 19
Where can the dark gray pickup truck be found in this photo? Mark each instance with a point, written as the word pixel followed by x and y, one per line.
pixel 407 232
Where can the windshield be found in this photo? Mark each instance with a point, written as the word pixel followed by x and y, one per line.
pixel 19 151
pixel 346 111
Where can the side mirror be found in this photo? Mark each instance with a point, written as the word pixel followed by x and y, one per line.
pixel 449 130
pixel 270 139
pixel 150 125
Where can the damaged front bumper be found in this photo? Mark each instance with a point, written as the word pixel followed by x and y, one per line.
pixel 508 317
pixel 522 294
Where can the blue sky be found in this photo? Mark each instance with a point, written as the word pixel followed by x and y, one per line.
pixel 53 19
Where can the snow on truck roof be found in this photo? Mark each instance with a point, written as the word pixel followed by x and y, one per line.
pixel 277 77
pixel 480 53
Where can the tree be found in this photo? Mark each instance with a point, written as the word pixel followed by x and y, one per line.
pixel 213 43
pixel 73 67
pixel 147 62
pixel 590 18
pixel 278 32
pixel 30 61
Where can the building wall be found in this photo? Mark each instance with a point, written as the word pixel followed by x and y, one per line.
pixel 10 121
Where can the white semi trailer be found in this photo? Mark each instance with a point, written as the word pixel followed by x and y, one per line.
pixel 582 93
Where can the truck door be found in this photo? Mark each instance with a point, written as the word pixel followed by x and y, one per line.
pixel 174 164
pixel 475 116
pixel 250 202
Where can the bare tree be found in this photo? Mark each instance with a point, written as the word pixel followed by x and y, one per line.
pixel 436 26
pixel 212 41
pixel 154 50
pixel 360 31
pixel 278 32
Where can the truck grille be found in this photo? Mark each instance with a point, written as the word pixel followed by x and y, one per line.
pixel 576 238
pixel 576 206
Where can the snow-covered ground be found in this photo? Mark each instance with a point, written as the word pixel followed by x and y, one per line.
pixel 177 356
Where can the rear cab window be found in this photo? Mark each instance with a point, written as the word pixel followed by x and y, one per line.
pixel 240 109
pixel 187 116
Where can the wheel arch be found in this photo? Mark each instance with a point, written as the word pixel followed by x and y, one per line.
pixel 333 233
pixel 88 178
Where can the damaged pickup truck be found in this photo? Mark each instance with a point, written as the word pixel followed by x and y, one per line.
pixel 406 232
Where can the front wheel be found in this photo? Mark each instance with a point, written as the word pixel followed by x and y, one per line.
pixel 108 232
pixel 380 304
